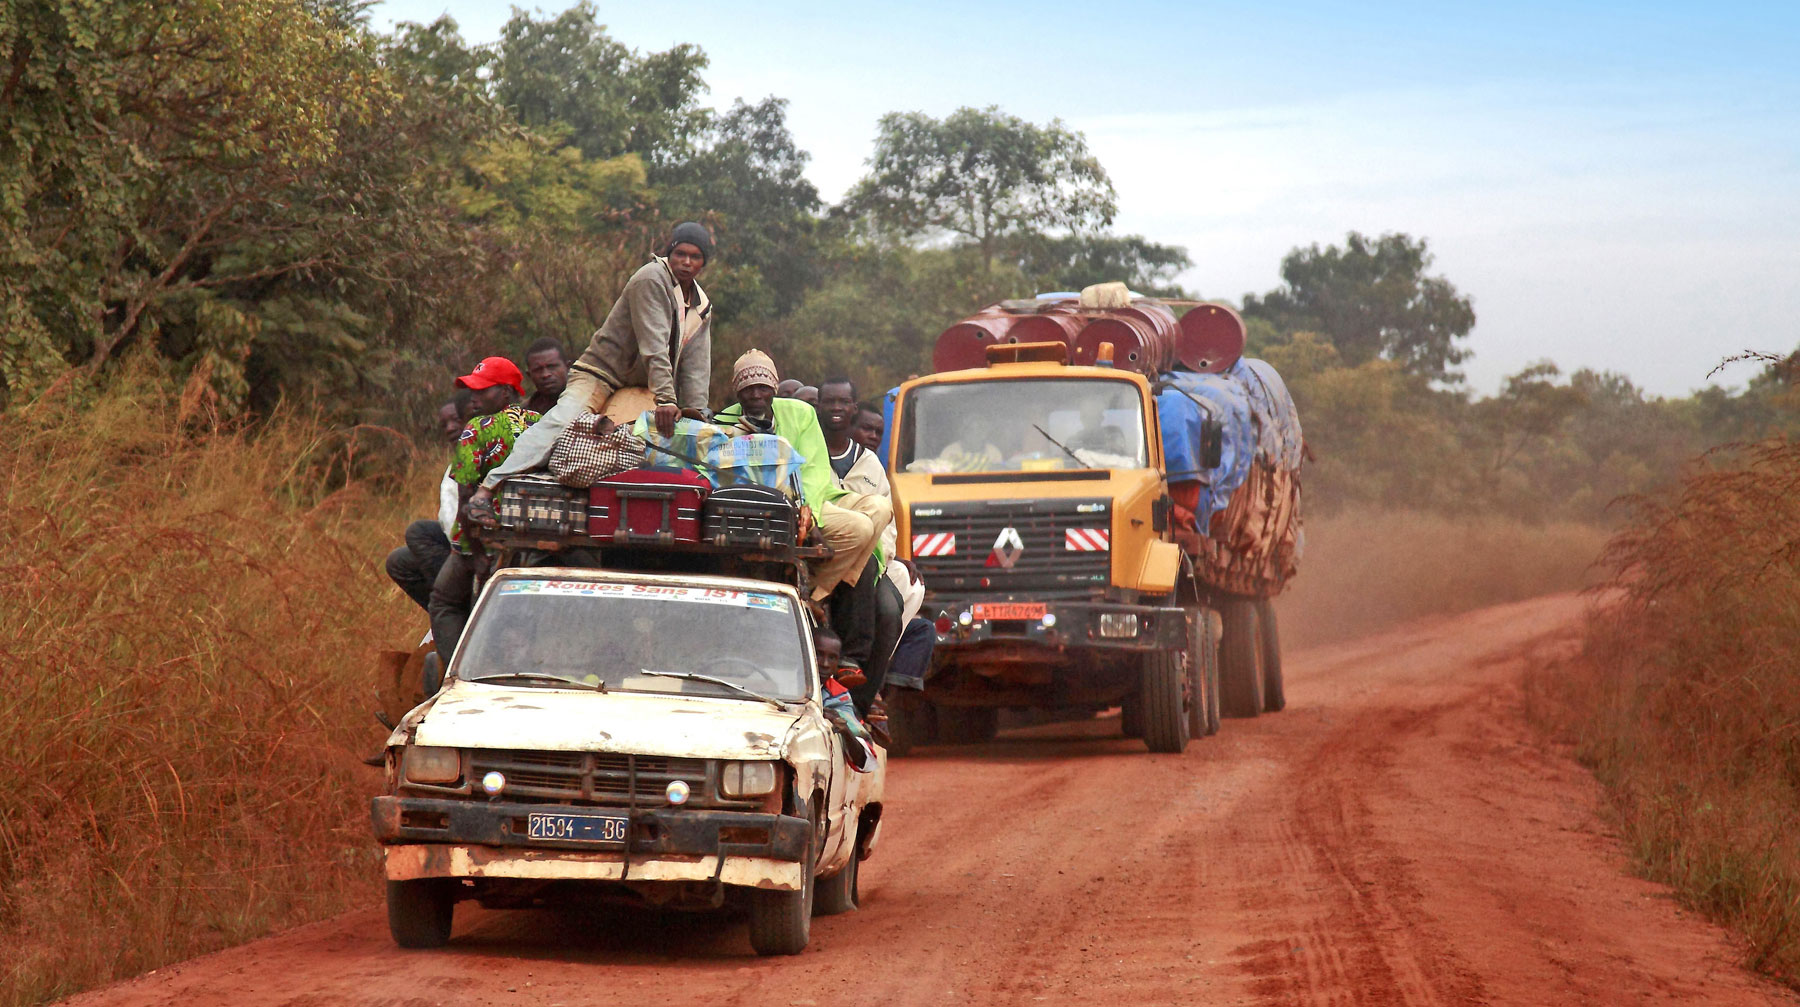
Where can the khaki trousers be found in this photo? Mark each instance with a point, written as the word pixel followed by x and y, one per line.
pixel 851 525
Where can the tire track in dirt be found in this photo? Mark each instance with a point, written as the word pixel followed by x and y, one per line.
pixel 1396 837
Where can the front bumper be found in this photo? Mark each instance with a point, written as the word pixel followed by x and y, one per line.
pixel 1074 625
pixel 438 837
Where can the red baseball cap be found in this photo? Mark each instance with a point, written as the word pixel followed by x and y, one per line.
pixel 494 371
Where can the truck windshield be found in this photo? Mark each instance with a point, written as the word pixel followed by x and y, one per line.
pixel 1018 425
pixel 607 635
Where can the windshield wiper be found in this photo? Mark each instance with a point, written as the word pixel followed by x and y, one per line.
pixel 690 676
pixel 1060 444
pixel 596 685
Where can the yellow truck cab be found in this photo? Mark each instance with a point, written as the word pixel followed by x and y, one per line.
pixel 1031 496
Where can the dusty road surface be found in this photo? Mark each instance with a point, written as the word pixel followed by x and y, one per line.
pixel 1395 837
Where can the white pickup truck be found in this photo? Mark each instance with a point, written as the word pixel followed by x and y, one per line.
pixel 660 738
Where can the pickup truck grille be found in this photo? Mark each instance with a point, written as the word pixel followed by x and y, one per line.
pixel 1043 565
pixel 601 778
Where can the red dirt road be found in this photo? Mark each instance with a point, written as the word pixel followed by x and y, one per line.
pixel 1396 837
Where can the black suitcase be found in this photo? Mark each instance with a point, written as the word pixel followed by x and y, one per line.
pixel 751 517
pixel 535 504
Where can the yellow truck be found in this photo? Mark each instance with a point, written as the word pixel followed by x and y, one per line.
pixel 1034 497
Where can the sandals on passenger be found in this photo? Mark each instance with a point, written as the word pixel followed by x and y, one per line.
pixel 876 720
pixel 850 676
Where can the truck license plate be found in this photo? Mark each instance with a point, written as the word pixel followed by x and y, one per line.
pixel 1008 610
pixel 578 828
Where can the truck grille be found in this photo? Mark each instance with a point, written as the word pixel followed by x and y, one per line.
pixel 601 778
pixel 1043 564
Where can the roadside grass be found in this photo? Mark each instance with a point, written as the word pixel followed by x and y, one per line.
pixel 188 613
pixel 1686 698
pixel 1364 571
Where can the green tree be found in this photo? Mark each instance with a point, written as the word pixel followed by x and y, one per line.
pixel 983 176
pixel 567 72
pixel 1073 261
pixel 1372 298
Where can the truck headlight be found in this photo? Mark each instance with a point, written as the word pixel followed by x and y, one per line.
pixel 747 779
pixel 433 765
pixel 1118 625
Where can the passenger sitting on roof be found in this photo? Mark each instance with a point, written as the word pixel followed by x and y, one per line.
pixel 850 523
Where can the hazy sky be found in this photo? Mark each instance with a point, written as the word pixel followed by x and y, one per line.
pixel 1615 185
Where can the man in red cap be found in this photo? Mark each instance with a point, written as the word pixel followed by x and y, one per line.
pixel 496 386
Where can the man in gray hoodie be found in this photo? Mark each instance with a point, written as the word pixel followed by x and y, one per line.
pixel 657 335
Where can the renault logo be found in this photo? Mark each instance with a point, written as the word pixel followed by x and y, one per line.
pixel 1007 548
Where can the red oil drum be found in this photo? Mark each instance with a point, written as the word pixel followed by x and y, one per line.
pixel 1211 339
pixel 964 345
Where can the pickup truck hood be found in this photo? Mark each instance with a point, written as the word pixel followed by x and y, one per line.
pixel 472 715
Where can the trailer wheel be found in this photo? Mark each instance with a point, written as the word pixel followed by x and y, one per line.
pixel 1240 665
pixel 967 725
pixel 912 721
pixel 781 922
pixel 1268 649
pixel 1162 695
pixel 1203 659
pixel 420 911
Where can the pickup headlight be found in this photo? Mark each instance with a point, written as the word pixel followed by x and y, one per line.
pixel 747 779
pixel 433 765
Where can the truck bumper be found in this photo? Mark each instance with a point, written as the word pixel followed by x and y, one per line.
pixel 447 838
pixel 1065 625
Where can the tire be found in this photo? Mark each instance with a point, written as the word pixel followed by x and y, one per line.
pixel 420 912
pixel 967 725
pixel 1163 697
pixel 781 922
pixel 1240 665
pixel 1131 717
pixel 838 893
pixel 1202 669
pixel 1268 649
pixel 912 721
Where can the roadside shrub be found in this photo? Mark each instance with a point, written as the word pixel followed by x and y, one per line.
pixel 187 617
pixel 1687 699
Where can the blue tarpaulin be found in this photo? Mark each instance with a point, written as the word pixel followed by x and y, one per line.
pixel 1257 414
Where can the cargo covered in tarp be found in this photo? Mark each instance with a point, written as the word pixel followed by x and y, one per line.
pixel 1244 533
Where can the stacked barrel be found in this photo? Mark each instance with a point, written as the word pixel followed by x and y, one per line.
pixel 1145 335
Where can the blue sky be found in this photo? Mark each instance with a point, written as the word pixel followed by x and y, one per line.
pixel 1615 185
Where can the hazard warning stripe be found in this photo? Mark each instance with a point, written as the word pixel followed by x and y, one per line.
pixel 942 543
pixel 1087 540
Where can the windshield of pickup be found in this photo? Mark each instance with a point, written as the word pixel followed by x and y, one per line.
pixel 1013 425
pixel 541 632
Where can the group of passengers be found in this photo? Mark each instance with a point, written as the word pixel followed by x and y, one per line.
pixel 654 350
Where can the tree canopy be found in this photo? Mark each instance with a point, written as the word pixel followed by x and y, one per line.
pixel 983 175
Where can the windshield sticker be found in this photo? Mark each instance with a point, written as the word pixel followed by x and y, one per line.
pixel 649 592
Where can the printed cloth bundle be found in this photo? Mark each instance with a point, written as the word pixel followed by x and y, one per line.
pixel 580 459
pixel 723 455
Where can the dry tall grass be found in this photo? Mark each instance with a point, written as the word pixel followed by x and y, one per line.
pixel 186 628
pixel 1687 700
pixel 1366 570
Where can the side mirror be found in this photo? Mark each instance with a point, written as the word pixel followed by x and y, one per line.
pixel 1212 444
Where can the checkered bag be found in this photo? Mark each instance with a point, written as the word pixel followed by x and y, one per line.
pixel 580 459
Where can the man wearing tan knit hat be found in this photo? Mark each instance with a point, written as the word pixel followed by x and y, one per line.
pixel 850 523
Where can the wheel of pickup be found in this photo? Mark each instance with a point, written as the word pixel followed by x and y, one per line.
pixel 1268 650
pixel 967 725
pixel 838 893
pixel 781 922
pixel 1240 659
pixel 420 911
pixel 1164 699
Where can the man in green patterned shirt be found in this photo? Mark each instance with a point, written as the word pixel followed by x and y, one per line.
pixel 483 444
